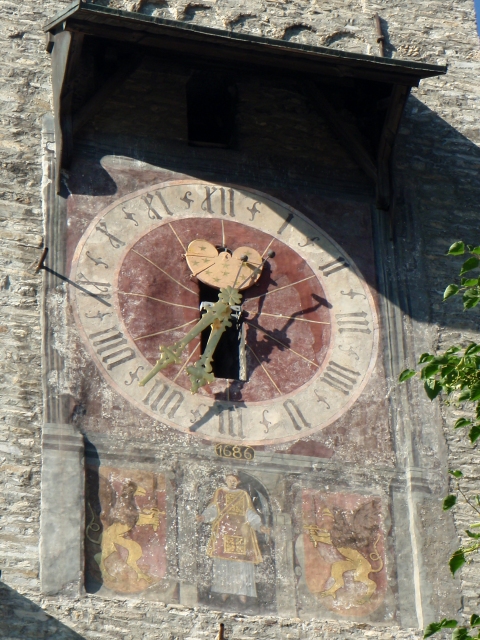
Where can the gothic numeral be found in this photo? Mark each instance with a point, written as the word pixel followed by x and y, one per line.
pixel 253 210
pixel 110 342
pixel 231 202
pixel 97 261
pixel 152 212
pixel 295 414
pixel 352 294
pixel 230 421
pixel 207 203
pixel 353 322
pixel 172 399
pixel 129 215
pixel 288 219
pixel 100 286
pixel 334 266
pixel 187 199
pixel 114 241
pixel 340 377
pixel 133 376
pixel 98 316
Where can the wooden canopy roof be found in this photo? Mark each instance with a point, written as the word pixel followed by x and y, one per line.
pixel 317 69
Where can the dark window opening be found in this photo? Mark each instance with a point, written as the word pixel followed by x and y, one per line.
pixel 211 102
pixel 229 355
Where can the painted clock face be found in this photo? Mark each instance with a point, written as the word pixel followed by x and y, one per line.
pixel 296 359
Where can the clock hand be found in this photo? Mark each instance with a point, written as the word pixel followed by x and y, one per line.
pixel 201 372
pixel 270 254
pixel 218 316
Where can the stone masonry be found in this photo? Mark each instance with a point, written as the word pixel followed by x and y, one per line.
pixel 437 188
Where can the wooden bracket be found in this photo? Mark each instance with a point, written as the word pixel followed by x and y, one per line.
pixel 66 47
pixel 347 133
pixel 108 88
pixel 65 55
pixel 378 166
pixel 398 99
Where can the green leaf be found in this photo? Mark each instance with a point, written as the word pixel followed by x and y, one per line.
pixel 475 250
pixel 469 282
pixel 450 291
pixel 475 393
pixel 449 502
pixel 457 249
pixel 436 626
pixel 475 620
pixel 465 395
pixel 468 265
pixel 456 473
pixel 470 534
pixel 453 349
pixel 474 434
pixel 472 349
pixel 462 422
pixel 460 634
pixel 470 302
pixel 431 629
pixel 425 357
pixel 449 624
pixel 430 370
pixel 457 561
pixel 405 375
pixel 432 388
pixel 471 292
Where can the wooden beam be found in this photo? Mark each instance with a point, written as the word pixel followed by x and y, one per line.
pixel 60 53
pixel 398 99
pixel 108 88
pixel 65 54
pixel 231 52
pixel 346 132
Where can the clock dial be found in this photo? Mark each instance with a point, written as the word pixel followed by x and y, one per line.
pixel 286 319
pixel 296 357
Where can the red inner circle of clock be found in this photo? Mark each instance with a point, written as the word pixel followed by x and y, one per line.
pixel 279 342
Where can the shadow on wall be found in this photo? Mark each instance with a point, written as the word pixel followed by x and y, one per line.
pixel 436 179
pixel 20 618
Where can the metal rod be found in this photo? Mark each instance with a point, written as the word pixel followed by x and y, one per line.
pixel 39 266
pixel 380 36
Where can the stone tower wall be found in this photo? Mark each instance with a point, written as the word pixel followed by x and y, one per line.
pixel 437 187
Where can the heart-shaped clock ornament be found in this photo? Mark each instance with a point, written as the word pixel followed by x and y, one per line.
pixel 240 269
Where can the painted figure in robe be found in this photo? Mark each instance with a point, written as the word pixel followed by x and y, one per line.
pixel 233 544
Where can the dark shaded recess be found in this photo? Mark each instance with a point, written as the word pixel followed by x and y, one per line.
pixel 93 524
pixel 21 618
pixel 226 360
pixel 203 48
pixel 445 181
pixel 211 99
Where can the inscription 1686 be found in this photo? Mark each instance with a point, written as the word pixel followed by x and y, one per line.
pixel 234 451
